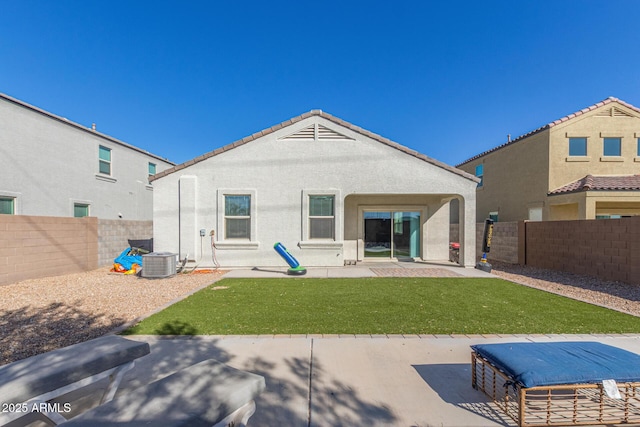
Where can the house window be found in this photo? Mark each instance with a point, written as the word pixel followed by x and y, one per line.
pixel 321 217
pixel 237 216
pixel 151 170
pixel 638 149
pixel 577 146
pixel 493 216
pixel 535 214
pixel 480 174
pixel 7 205
pixel 80 210
pixel 612 146
pixel 105 160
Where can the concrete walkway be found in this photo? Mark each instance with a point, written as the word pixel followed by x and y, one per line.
pixel 349 380
pixel 369 269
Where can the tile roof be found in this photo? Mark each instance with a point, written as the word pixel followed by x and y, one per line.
pixel 601 183
pixel 329 117
pixel 609 100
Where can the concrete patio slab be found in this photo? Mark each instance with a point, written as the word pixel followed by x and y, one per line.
pixel 352 381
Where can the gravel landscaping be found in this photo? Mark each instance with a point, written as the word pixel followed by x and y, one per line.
pixel 40 315
pixel 44 314
pixel 619 296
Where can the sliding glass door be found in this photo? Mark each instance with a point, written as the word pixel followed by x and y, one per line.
pixel 391 234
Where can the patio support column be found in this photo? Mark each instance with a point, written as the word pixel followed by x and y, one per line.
pixel 436 245
pixel 467 231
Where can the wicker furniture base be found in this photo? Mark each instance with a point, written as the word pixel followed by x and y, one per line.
pixel 557 405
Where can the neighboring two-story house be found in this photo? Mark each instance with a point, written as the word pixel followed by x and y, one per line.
pixel 50 166
pixel 583 166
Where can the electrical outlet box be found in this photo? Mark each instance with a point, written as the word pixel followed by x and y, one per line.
pixel 203 232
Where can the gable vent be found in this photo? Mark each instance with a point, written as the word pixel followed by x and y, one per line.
pixel 308 133
pixel 613 112
pixel 326 133
pixel 317 132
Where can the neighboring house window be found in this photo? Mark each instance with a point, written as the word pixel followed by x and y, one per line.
pixel 608 216
pixel 7 205
pixel 577 146
pixel 80 210
pixel 493 216
pixel 535 214
pixel 612 147
pixel 152 170
pixel 237 216
pixel 638 152
pixel 105 160
pixel 480 174
pixel 321 217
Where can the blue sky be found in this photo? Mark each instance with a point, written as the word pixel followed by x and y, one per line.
pixel 447 78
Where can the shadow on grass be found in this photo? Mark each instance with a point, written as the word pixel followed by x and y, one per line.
pixel 28 331
pixel 177 327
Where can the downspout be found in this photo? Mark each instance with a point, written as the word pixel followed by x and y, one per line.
pixel 179 225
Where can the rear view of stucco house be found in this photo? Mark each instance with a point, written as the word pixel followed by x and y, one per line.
pixel 331 192
pixel 50 166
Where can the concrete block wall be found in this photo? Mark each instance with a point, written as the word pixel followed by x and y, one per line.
pixel 608 249
pixel 504 244
pixel 42 246
pixel 113 235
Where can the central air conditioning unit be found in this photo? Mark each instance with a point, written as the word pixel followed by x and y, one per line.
pixel 159 265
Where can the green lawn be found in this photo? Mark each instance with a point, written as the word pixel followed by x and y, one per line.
pixel 380 306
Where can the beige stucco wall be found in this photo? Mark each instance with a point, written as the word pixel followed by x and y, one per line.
pixel 515 179
pixel 519 176
pixel 595 126
pixel 589 204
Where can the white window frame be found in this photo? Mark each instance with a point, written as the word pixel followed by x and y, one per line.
pixel 233 243
pixel 88 206
pixel 74 202
pixel 108 162
pixel 16 200
pixel 305 239
pixel 13 204
pixel 155 169
pixel 323 217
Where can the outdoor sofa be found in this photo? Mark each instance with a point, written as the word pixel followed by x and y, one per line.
pixel 559 383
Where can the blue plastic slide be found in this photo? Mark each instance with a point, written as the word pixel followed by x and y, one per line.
pixel 295 269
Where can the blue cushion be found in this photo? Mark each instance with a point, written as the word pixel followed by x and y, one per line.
pixel 553 363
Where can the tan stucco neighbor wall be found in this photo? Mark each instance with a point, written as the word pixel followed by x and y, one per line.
pixel 565 169
pixel 590 204
pixel 519 175
pixel 515 179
